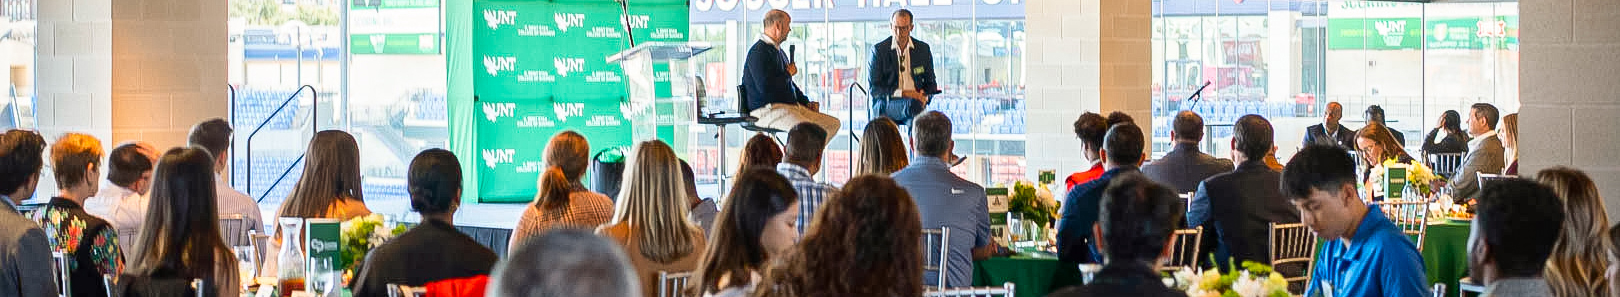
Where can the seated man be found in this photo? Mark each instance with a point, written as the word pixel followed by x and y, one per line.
pixel 1364 253
pixel 767 78
pixel 800 164
pixel 565 262
pixel 1135 228
pixel 1518 222
pixel 902 73
pixel 1484 152
pixel 433 250
pixel 1090 128
pixel 1330 132
pixel 945 200
pixel 122 200
pixel 1121 154
pixel 1375 114
pixel 1236 213
pixel 1185 166
pixel 214 135
pixel 25 253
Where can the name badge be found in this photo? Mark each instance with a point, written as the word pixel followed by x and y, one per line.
pixel 917 70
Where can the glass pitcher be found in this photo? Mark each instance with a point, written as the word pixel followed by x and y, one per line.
pixel 290 269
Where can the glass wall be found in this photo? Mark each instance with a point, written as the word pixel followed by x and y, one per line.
pixel 17 47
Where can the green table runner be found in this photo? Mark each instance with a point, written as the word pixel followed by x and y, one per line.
pixel 1445 254
pixel 1032 275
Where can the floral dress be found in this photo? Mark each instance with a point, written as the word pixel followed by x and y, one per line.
pixel 90 243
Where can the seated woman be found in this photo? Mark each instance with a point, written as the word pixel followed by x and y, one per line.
pixel 562 201
pixel 329 187
pixel 649 220
pixel 89 243
pixel 433 250
pixel 1376 147
pixel 182 236
pixel 884 150
pixel 1448 136
pixel 1509 131
pixel 760 151
pixel 1580 256
pixel 757 224
pixel 864 242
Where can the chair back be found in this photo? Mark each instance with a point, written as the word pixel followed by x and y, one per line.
pixel 937 253
pixel 673 284
pixel 1411 216
pixel 1005 290
pixel 1292 243
pixel 1444 164
pixel 1439 290
pixel 59 265
pixel 233 228
pixel 400 290
pixel 1486 178
pixel 1184 252
pixel 742 100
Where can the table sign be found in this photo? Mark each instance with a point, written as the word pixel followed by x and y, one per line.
pixel 324 238
pixel 1395 181
pixel 997 199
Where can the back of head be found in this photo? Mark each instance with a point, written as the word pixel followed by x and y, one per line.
pixel 434 181
pixel 567 156
pixel 1453 121
pixel 805 143
pixel 21 156
pixel 1188 126
pixel 183 235
pixel 213 135
pixel 331 172
pixel 1520 220
pixel 653 201
pixel 1252 135
pixel 873 211
pixel 761 151
pixel 884 151
pixel 1091 128
pixel 735 250
pixel 775 16
pixel 931 133
pixel 71 154
pixel 565 263
pixel 1581 252
pixel 1488 112
pixel 126 163
pixel 1137 217
pixel 1119 117
pixel 1124 145
pixel 1375 114
pixel 1317 167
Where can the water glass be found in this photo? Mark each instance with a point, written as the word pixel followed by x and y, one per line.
pixel 322 279
pixel 247 264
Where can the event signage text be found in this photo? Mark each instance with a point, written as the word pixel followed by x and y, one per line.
pixel 718 11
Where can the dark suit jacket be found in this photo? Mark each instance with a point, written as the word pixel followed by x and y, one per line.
pixel 1399 137
pixel 1242 204
pixel 429 252
pixel 884 78
pixel 1123 279
pixel 1484 158
pixel 1454 143
pixel 1080 211
pixel 1315 134
pixel 25 256
pixel 766 79
pixel 1184 167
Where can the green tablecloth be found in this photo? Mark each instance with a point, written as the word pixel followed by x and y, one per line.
pixel 1445 254
pixel 1032 276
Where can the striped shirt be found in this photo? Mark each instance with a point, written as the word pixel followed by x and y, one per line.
pixel 811 193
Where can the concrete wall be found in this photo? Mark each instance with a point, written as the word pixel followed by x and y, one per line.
pixel 1571 106
pixel 1084 55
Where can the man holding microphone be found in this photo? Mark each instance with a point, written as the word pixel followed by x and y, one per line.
pixel 902 72
pixel 767 79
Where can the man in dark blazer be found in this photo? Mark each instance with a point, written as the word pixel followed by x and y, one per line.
pixel 1184 167
pixel 767 80
pixel 902 73
pixel 1330 132
pixel 1375 114
pixel 25 254
pixel 1484 153
pixel 1236 208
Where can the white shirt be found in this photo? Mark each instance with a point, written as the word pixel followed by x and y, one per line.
pixel 127 218
pixel 904 55
pixel 101 205
pixel 1474 144
pixel 233 202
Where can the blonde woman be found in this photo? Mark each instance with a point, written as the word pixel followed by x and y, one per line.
pixel 1580 256
pixel 649 220
pixel 1509 131
pixel 884 151
pixel 562 202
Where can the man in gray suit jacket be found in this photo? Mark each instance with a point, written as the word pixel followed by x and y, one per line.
pixel 1484 153
pixel 1184 167
pixel 25 256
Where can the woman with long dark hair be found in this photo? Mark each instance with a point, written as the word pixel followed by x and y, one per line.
pixel 884 150
pixel 1447 137
pixel 562 202
pixel 330 186
pixel 760 151
pixel 181 237
pixel 864 242
pixel 757 224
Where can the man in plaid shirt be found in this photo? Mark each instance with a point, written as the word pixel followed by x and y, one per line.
pixel 802 161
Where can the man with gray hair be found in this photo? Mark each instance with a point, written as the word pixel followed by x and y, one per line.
pixel 565 262
pixel 767 82
pixel 945 200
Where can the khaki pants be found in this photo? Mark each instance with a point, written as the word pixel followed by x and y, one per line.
pixel 785 116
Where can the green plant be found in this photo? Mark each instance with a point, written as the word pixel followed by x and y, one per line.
pixel 1025 202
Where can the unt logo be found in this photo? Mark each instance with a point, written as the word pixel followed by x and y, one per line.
pixel 1394 32
pixel 496 110
pixel 565 110
pixel 636 21
pixel 322 246
pixel 566 65
pixel 494 157
pixel 569 20
pixel 495 65
pixel 495 18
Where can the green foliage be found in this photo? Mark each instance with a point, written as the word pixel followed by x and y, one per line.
pixel 1025 202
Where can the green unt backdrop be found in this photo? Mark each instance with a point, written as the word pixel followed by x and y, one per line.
pixel 533 68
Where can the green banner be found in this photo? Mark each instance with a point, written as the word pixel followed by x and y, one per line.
pixel 1375 34
pixel 513 134
pixel 395 44
pixel 1416 33
pixel 1472 33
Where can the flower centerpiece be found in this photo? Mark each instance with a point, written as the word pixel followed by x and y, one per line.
pixel 361 234
pixel 1418 176
pixel 1033 203
pixel 1254 280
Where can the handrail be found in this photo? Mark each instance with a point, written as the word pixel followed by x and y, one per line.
pixel 233 139
pixel 314 124
pixel 284 174
pixel 855 138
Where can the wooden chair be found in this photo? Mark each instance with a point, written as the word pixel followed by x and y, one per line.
pixel 1411 216
pixel 1005 290
pixel 1185 251
pixel 1292 243
pixel 233 228
pixel 673 284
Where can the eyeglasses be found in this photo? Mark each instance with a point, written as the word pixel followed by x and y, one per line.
pixel 903 28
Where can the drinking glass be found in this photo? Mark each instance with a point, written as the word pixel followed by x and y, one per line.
pixel 247 261
pixel 321 277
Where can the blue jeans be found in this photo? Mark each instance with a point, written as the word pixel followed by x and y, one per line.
pixel 899 109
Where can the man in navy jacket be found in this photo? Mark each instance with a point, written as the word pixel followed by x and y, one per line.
pixel 767 79
pixel 902 73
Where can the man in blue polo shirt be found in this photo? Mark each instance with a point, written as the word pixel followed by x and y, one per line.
pixel 1365 254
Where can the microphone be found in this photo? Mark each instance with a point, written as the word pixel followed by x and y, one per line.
pixel 1199 94
pixel 793 53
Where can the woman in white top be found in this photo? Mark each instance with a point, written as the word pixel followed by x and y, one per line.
pixel 757 223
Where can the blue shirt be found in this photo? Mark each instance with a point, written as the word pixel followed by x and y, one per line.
pixel 946 200
pixel 811 193
pixel 1380 261
pixel 1079 213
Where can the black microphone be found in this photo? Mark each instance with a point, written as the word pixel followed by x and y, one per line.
pixel 1199 94
pixel 793 53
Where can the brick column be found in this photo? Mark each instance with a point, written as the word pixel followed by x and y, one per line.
pixel 1084 55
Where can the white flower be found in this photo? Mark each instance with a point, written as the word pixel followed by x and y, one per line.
pixel 1248 286
pixel 1185 278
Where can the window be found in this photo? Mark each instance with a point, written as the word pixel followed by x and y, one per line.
pixel 18 109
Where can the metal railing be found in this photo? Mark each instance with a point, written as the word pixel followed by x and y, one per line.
pixel 233 122
pixel 313 126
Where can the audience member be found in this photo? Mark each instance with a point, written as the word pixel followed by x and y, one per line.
pixel 875 213
pixel 703 210
pixel 561 200
pixel 330 185
pixel 1271 159
pixel 1513 234
pixel 1447 136
pixel 1121 153
pixel 649 220
pixel 760 151
pixel 433 250
pixel 565 262
pixel 25 251
pixel 767 79
pixel 1612 273
pixel 805 143
pixel 214 135
pixel 945 200
pixel 756 226
pixel 1185 166
pixel 1375 115
pixel 90 243
pixel 1485 153
pixel 1234 208
pixel 182 234
pixel 1330 132
pixel 1509 131
pixel 129 177
pixel 884 150
pixel 1136 227
pixel 1580 255
pixel 1376 147
pixel 1320 181
pixel 1119 117
pixel 1090 128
